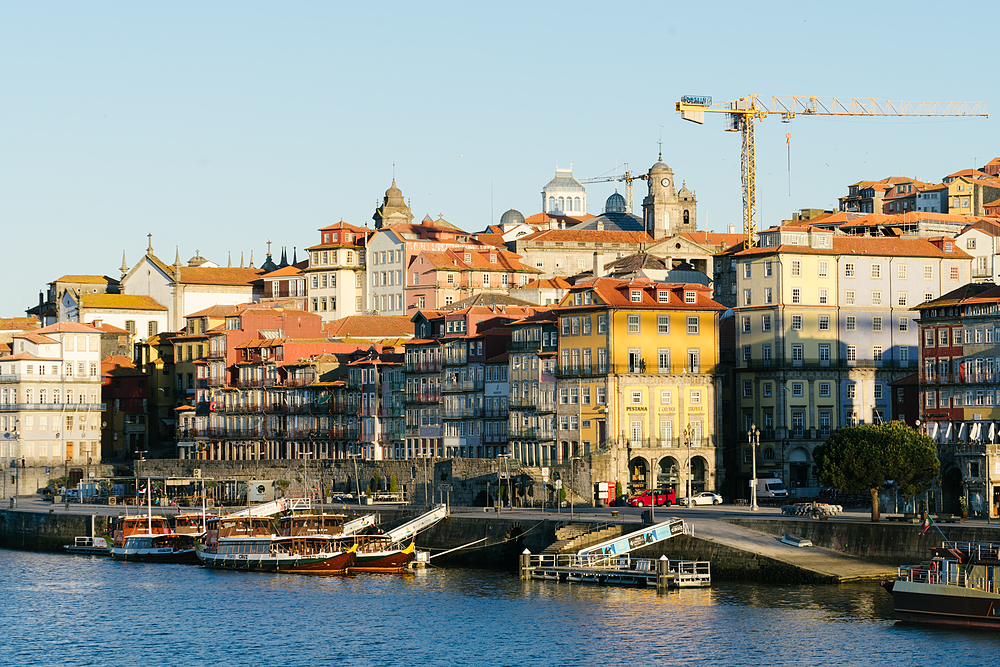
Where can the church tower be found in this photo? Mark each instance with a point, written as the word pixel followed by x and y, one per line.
pixel 393 209
pixel 667 212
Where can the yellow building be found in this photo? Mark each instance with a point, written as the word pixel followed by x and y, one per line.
pixel 637 378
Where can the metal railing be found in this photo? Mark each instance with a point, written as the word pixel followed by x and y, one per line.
pixel 53 407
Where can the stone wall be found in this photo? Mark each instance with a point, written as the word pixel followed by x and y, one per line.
pixel 472 482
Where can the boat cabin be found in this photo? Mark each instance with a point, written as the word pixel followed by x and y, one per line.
pixel 311 524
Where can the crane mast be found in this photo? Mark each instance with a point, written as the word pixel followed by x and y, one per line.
pixel 743 113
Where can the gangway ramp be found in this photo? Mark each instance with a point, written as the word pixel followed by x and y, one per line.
pixel 414 526
pixel 356 525
pixel 275 507
pixel 636 540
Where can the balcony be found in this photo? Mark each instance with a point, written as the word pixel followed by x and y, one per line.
pixel 462 413
pixel 522 403
pixel 216 381
pixel 463 385
pixel 456 359
pixel 546 406
pixel 579 370
pixel 495 437
pixel 300 380
pixel 255 382
pixel 423 397
pixel 524 345
pixel 392 411
pixel 496 413
pixel 423 366
pixel 236 408
pixel 53 407
pixel 814 364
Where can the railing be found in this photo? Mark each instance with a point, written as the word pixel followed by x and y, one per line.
pixel 422 366
pixel 524 345
pixel 463 385
pixel 455 359
pixel 237 408
pixel 495 437
pixel 53 407
pixel 462 413
pixel 55 377
pixel 392 411
pixel 496 413
pixel 764 364
pixel 423 397
pixel 216 381
pixel 580 370
pixel 295 381
pixel 257 382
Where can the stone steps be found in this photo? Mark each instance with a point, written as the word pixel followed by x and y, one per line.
pixel 581 540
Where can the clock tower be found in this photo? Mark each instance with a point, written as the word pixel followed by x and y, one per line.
pixel 666 211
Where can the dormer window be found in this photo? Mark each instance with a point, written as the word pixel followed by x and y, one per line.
pixel 663 296
pixel 690 297
pixel 334 237
pixel 468 257
pixel 348 237
pixel 326 238
pixel 636 296
pixel 493 259
pixel 948 246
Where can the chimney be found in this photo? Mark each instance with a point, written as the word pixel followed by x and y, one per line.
pixel 97 323
pixel 553 224
pixel 732 228
pixel 597 266
pixel 600 226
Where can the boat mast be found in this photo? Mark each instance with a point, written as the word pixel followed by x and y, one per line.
pixel 149 507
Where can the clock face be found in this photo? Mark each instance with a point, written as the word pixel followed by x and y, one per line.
pixel 665 182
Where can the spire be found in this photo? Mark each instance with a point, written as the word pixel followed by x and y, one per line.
pixel 230 260
pixel 284 258
pixel 241 260
pixel 149 249
pixel 177 255
pixel 294 256
pixel 251 258
pixel 124 267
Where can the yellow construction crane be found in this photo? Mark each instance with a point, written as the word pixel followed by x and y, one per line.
pixel 627 176
pixel 744 112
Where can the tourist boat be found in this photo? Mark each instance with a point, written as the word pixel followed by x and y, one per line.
pixel 250 543
pixel 190 524
pixel 958 587
pixel 149 539
pixel 381 554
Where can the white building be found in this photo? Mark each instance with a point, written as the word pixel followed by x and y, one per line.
pixel 982 241
pixel 50 397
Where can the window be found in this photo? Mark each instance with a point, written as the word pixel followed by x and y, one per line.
pixel 636 397
pixel 690 297
pixel 876 271
pixel 852 390
pixel 693 325
pixel 746 297
pixel 877 354
pixel 696 397
pixel 953 273
pixel 796 323
pixel 746 324
pixel 602 324
pixel 878 391
pixel 586 325
pixel 796 295
pixel 928 296
pixel 824 322
pixel 663 324
pixel 768 295
pixel 797 389
pixel 796 268
pixel 152 328
pixel 636 296
pixel 765 323
pixel 797 353
pixel 746 269
pixel 849 270
pixel 662 296
pixel 746 353
pixel 767 268
pixel 823 296
pixel 767 386
pixel 928 272
pixel 849 297
pixel 823 268
pixel 852 352
pixel 666 397
pixel 633 324
pixel 876 323
pixel 824 389
pixel 130 326
pixel 766 352
pixel 824 352
pixel 876 297
pixel 901 271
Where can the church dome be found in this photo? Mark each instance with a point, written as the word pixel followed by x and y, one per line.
pixel 394 196
pixel 615 204
pixel 684 192
pixel 512 217
pixel 197 260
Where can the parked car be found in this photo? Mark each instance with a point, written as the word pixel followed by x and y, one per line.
pixel 703 498
pixel 661 496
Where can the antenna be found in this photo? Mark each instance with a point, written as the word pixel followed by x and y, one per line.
pixel 660 142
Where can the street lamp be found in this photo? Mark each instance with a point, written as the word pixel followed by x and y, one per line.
pixel 753 435
pixel 688 437
pixel 357 480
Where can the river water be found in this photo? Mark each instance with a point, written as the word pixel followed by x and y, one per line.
pixel 70 610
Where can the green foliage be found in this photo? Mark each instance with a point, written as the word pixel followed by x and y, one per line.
pixel 963 504
pixel 618 490
pixel 393 484
pixel 282 484
pixel 374 485
pixel 863 458
pixel 562 493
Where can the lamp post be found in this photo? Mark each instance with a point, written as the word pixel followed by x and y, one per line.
pixel 688 436
pixel 753 435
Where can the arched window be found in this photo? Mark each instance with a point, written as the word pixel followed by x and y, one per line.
pixel 768 454
pixel 687 217
pixel 562 204
pixel 576 204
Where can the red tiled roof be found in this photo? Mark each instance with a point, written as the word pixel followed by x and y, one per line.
pixel 548 283
pixel 616 293
pixel 120 302
pixel 203 275
pixel 370 325
pixel 71 327
pixel 588 236
pixel 87 280
pixel 863 245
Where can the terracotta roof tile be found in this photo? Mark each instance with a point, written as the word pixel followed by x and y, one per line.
pixel 120 302
pixel 203 275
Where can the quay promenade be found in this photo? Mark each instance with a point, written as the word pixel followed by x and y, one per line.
pixel 738 542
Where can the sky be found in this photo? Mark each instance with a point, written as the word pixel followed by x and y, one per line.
pixel 219 126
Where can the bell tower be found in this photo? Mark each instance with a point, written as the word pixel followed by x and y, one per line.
pixel 666 212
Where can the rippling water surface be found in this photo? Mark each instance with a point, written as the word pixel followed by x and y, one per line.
pixel 66 610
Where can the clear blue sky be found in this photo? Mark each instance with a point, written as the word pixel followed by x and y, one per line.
pixel 217 126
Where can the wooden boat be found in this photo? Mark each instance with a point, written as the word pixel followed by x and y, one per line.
pixel 190 524
pixel 381 554
pixel 250 543
pixel 150 539
pixel 958 587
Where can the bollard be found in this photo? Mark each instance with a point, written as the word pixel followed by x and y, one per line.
pixel 525 564
pixel 662 574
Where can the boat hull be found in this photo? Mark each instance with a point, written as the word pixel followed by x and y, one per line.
pixel 389 560
pixel 154 555
pixel 941 604
pixel 332 563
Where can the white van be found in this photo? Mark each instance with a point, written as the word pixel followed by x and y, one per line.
pixel 771 487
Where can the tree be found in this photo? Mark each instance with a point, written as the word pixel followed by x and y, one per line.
pixel 866 457
pixel 393 484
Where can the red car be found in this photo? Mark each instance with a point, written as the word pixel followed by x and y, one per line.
pixel 662 496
